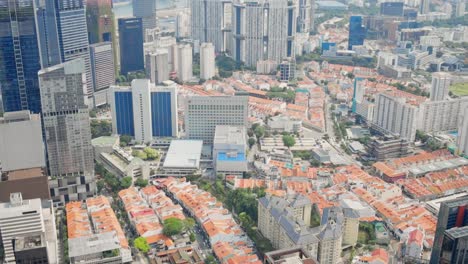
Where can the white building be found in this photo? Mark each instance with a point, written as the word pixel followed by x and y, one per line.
pixel 157 66
pixel 263 30
pixel 283 123
pixel 184 63
pixel 21 145
pixel 440 86
pixel 394 116
pixel 27 227
pixel 207 61
pixel 102 65
pixel 204 113
pixel 462 138
pixel 144 111
pixel 230 150
pixel 183 158
pixel 441 116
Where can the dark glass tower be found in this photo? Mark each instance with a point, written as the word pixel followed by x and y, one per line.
pixel 357 32
pixel 131 45
pixel 19 57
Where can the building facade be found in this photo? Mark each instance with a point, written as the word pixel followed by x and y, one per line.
pixel 440 86
pixel 27 230
pixel 146 10
pixel 102 65
pixel 131 45
pixel 394 116
pixel 462 139
pixel 357 32
pixel 144 110
pixel 184 62
pixel 441 116
pixel 100 21
pixel 230 150
pixel 157 66
pixel 19 57
pixel 263 30
pixel 204 113
pixel 210 22
pixel 67 131
pixel 207 61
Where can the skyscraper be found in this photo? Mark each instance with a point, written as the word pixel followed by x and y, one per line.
pixel 144 110
pixel 263 30
pixel 440 86
pixel 131 45
pixel 359 91
pixel 67 131
pixel 204 113
pixel 157 66
pixel 424 6
pixel 453 217
pixel 102 65
pixel 207 61
pixel 391 8
pixel 305 16
pixel 184 62
pixel 19 57
pixel 146 10
pixel 211 22
pixel 357 32
pixel 462 138
pixel 100 21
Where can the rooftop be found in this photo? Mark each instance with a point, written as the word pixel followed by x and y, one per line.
pixel 184 154
pixel 234 135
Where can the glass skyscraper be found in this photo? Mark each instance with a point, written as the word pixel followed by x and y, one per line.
pixel 357 32
pixel 131 45
pixel 19 57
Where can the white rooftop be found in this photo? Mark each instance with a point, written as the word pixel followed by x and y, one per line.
pixel 234 135
pixel 184 154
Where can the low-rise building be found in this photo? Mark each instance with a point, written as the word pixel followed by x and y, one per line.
pixel 229 150
pixel 282 123
pixel 291 255
pixel 182 158
pixel 388 148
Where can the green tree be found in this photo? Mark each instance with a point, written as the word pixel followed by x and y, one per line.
pixel 173 226
pixel 151 153
pixel 141 244
pixel 126 182
pixel 259 131
pixel 100 185
pixel 210 260
pixel 289 141
pixel 100 128
pixel 139 154
pixel 140 182
pixel 189 223
pixel 192 237
pixel 124 140
pixel 252 142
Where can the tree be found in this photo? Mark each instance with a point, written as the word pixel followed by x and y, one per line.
pixel 100 128
pixel 141 244
pixel 151 154
pixel 350 75
pixel 189 223
pixel 259 131
pixel 289 141
pixel 140 182
pixel 192 237
pixel 100 185
pixel 210 260
pixel 126 182
pixel 252 142
pixel 139 154
pixel 173 226
pixel 124 140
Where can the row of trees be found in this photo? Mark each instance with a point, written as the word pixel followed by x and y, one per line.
pixel 146 154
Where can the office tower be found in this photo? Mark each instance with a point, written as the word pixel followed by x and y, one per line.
pixel 102 65
pixel 183 24
pixel 440 86
pixel 144 110
pixel 100 21
pixel 207 61
pixel 146 10
pixel 263 30
pixel 211 20
pixel 204 113
pixel 305 16
pixel 357 32
pixel 452 219
pixel 358 93
pixel 131 45
pixel 393 115
pixel 27 230
pixel 391 8
pixel 184 62
pixel 462 139
pixel 424 6
pixel 67 131
pixel 19 57
pixel 157 66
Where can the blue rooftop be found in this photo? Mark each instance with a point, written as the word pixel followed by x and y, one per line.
pixel 238 156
